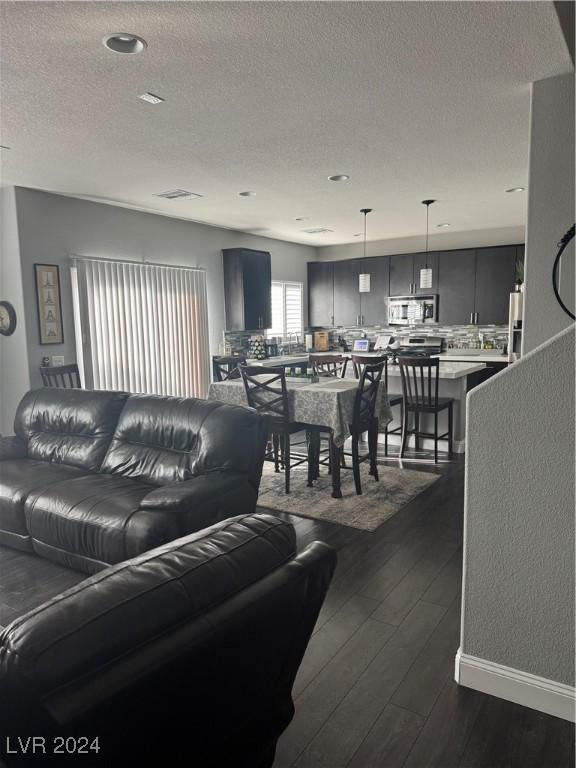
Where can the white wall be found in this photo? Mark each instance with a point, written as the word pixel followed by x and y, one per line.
pixel 52 227
pixel 14 373
pixel 518 596
pixel 439 240
pixel 550 207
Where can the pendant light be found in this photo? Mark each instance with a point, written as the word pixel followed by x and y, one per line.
pixel 426 273
pixel 364 278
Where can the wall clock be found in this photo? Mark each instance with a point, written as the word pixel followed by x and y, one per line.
pixel 7 318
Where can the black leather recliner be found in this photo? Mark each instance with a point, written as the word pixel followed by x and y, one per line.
pixel 92 477
pixel 183 656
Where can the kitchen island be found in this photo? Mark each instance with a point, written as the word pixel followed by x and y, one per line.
pixel 455 380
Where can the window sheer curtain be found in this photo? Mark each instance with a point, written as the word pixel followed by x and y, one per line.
pixel 141 327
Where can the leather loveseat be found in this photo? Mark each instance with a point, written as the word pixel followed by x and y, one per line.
pixel 183 656
pixel 92 477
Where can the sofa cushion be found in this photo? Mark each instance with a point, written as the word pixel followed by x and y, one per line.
pixel 18 479
pixel 163 440
pixel 68 426
pixel 94 518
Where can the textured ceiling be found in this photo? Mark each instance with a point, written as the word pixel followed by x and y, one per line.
pixel 411 99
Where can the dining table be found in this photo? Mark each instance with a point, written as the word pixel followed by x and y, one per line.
pixel 328 403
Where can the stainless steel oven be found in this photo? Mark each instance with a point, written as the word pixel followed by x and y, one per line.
pixel 413 310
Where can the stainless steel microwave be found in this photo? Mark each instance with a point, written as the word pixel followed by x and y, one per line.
pixel 413 310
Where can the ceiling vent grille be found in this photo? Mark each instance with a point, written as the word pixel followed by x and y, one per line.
pixel 317 230
pixel 178 194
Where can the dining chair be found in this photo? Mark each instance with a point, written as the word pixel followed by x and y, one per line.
pixel 224 368
pixel 63 376
pixel 359 362
pixel 267 393
pixel 328 365
pixel 420 387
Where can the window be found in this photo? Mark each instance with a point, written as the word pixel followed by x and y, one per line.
pixel 287 314
pixel 141 327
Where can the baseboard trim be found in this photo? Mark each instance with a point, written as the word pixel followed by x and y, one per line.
pixel 511 684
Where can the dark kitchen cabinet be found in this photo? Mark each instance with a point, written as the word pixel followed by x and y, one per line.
pixel 320 294
pixel 374 305
pixel 456 287
pixel 346 292
pixel 495 273
pixel 247 289
pixel 401 274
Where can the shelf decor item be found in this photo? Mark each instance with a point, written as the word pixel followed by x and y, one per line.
pixel 48 303
pixel 257 348
pixel 7 318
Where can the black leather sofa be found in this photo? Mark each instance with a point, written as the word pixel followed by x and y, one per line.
pixel 92 478
pixel 183 656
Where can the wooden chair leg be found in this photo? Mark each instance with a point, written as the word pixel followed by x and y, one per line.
pixel 436 437
pixel 356 465
pixel 450 437
pixel 276 445
pixel 373 450
pixel 286 442
pixel 386 440
pixel 311 458
pixel 404 432
pixel 417 434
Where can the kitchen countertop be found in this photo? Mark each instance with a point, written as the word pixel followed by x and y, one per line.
pixel 449 369
pixel 483 357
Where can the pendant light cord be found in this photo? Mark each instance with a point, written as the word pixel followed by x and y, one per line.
pixel 427 203
pixel 365 211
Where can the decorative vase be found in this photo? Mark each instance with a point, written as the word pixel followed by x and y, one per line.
pixel 257 348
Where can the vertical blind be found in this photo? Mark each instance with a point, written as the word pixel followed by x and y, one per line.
pixel 286 309
pixel 142 327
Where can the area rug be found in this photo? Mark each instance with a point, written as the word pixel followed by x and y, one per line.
pixel 378 502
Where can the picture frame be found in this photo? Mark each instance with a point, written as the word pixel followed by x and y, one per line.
pixel 48 302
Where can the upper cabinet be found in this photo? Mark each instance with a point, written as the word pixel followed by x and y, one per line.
pixel 320 293
pixel 495 275
pixel 405 275
pixel 247 289
pixel 456 279
pixel 346 293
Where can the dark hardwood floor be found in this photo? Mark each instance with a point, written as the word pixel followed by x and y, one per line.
pixel 376 688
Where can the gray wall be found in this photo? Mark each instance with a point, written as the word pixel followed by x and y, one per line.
pixel 439 240
pixel 550 207
pixel 518 597
pixel 53 227
pixel 14 376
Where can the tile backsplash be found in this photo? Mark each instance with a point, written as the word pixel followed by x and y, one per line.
pixel 457 336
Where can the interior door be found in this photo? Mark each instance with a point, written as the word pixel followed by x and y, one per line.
pixel 495 272
pixel 456 281
pixel 346 293
pixel 374 305
pixel 320 294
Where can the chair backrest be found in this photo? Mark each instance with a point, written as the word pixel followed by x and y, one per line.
pixel 266 390
pixel 420 381
pixel 366 395
pixel 224 368
pixel 66 376
pixel 359 362
pixel 328 365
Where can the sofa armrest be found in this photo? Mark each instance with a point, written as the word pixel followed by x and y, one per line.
pixel 12 448
pixel 181 497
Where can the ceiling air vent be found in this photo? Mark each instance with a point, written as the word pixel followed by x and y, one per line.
pixel 317 231
pixel 177 194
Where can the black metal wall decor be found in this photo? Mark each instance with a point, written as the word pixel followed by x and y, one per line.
pixel 561 248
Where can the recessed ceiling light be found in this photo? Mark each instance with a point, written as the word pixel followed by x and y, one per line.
pixel 3 146
pixel 338 177
pixel 178 194
pixel 516 189
pixel 248 193
pixel 124 42
pixel 301 218
pixel 358 234
pixel 445 224
pixel 317 231
pixel 151 98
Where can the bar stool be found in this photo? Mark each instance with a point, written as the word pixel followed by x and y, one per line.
pixel 420 387
pixel 359 362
